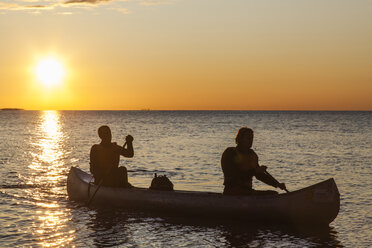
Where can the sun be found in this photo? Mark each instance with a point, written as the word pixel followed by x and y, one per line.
pixel 50 71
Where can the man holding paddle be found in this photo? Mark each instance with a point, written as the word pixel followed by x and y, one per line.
pixel 240 164
pixel 105 157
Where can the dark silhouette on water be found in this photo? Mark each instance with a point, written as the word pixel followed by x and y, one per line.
pixel 105 157
pixel 240 164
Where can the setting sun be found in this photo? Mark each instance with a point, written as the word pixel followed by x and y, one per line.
pixel 50 71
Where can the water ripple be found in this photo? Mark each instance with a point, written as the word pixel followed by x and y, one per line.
pixel 299 148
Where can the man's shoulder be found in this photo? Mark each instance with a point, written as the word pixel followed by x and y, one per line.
pixel 229 151
pixel 251 151
pixel 115 146
pixel 228 157
pixel 94 147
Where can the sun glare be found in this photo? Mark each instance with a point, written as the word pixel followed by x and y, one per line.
pixel 50 71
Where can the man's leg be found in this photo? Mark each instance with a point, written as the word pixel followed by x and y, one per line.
pixel 238 191
pixel 264 192
pixel 122 177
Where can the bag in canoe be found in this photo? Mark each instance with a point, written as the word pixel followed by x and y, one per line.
pixel 161 182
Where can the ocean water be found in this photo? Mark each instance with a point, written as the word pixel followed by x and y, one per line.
pixel 38 148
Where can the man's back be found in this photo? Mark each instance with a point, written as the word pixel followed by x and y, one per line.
pixel 104 158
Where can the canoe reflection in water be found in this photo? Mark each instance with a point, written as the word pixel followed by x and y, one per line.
pixel 281 236
pixel 109 228
pixel 115 228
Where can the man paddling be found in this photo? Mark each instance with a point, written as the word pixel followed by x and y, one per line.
pixel 105 157
pixel 240 164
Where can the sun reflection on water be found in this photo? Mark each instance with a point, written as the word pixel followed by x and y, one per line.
pixel 50 139
pixel 53 136
pixel 49 168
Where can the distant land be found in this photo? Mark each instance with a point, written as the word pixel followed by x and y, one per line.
pixel 7 109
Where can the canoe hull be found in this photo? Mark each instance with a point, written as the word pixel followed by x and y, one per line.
pixel 318 204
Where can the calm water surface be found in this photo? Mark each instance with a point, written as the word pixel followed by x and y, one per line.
pixel 300 148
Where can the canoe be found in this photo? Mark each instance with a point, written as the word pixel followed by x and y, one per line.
pixel 318 204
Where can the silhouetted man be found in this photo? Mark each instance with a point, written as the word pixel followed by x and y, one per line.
pixel 104 160
pixel 240 164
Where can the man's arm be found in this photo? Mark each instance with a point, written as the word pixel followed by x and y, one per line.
pixel 263 177
pixel 260 173
pixel 93 160
pixel 228 160
pixel 128 152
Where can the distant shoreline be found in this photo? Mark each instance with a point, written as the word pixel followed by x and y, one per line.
pixel 11 109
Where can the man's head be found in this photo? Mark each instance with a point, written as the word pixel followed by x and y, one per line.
pixel 104 133
pixel 244 137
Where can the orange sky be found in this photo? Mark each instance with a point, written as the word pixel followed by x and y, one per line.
pixel 238 55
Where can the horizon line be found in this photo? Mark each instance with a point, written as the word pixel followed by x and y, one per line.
pixel 144 110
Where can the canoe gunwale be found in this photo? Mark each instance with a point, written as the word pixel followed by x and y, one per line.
pixel 298 204
pixel 89 180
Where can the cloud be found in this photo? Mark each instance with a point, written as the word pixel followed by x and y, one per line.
pixel 38 6
pixel 123 11
pixel 155 2
pixel 86 1
pixel 8 5
pixel 16 6
pixel 66 6
pixel 65 13
pixel 47 4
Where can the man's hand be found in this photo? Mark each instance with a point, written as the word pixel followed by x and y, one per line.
pixel 129 139
pixel 282 186
pixel 261 169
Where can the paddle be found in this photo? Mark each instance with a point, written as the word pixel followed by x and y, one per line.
pixel 100 183
pixel 268 174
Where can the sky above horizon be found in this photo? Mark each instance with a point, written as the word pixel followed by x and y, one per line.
pixel 187 54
